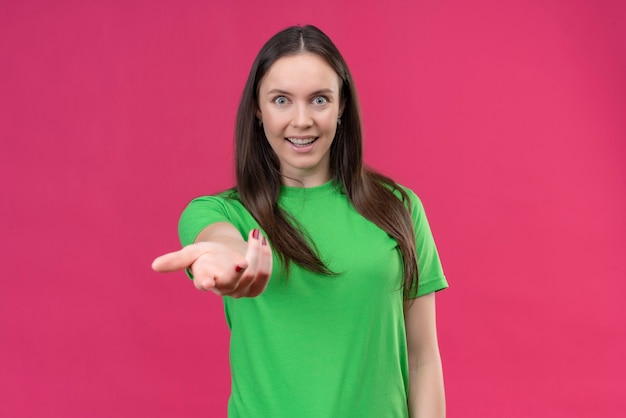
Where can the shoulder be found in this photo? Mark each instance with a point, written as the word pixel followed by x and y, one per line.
pixel 409 192
pixel 223 206
pixel 410 199
pixel 222 199
pixel 206 210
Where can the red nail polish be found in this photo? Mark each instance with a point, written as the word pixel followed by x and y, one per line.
pixel 263 241
pixel 238 269
pixel 255 233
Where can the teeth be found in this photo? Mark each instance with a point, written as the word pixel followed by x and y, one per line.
pixel 301 141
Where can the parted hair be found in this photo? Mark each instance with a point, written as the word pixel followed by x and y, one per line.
pixel 375 196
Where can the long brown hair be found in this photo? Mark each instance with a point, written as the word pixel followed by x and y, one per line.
pixel 374 196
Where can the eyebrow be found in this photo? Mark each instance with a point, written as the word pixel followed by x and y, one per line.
pixel 315 93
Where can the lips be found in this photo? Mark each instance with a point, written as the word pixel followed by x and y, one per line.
pixel 301 142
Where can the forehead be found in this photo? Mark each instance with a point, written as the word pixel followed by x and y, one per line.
pixel 301 72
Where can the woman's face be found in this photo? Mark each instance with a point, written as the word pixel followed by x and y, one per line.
pixel 299 103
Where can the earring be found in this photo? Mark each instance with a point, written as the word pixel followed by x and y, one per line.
pixel 338 121
pixel 260 123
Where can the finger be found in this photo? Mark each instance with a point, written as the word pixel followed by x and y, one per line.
pixel 178 260
pixel 202 274
pixel 242 286
pixel 204 284
pixel 233 279
pixel 249 274
pixel 264 270
pixel 209 275
pixel 253 250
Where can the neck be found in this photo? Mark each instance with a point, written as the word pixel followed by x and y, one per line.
pixel 313 180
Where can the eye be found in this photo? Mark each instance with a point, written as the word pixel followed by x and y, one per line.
pixel 280 100
pixel 320 100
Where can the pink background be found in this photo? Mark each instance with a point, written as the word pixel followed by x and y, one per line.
pixel 507 118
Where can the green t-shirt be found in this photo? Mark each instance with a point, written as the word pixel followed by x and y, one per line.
pixel 314 346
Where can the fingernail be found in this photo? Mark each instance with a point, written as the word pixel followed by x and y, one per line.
pixel 255 233
pixel 238 269
pixel 263 241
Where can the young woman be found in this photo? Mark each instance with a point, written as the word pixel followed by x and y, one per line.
pixel 315 255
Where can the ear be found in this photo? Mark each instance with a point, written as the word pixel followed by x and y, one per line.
pixel 342 107
pixel 258 114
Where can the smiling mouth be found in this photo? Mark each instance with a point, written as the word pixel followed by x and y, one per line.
pixel 301 142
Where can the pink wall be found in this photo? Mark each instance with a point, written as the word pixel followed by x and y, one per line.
pixel 508 120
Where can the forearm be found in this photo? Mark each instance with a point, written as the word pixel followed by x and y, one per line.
pixel 223 233
pixel 426 392
pixel 426 389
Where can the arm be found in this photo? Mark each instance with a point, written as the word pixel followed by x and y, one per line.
pixel 426 391
pixel 221 261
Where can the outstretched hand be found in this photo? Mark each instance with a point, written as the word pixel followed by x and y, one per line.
pixel 219 268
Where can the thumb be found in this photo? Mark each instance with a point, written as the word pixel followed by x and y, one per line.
pixel 177 260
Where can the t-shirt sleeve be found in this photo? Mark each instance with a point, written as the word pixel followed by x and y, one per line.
pixel 200 213
pixel 430 272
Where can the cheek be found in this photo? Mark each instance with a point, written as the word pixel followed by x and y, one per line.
pixel 272 131
pixel 330 125
pixel 273 122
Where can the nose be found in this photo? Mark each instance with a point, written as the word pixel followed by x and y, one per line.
pixel 302 117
